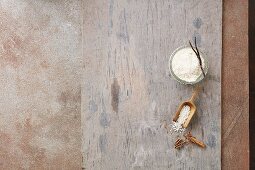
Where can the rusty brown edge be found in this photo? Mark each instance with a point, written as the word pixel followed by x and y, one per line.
pixel 235 86
pixel 252 81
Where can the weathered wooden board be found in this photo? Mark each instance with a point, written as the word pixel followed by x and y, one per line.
pixel 127 91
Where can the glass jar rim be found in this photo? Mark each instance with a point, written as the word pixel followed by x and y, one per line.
pixel 200 78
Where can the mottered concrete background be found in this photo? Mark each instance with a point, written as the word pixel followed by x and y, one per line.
pixel 40 50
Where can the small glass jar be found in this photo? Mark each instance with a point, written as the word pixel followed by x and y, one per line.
pixel 201 76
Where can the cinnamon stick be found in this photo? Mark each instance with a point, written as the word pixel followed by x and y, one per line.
pixel 195 140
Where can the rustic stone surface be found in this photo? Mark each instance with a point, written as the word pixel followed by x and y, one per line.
pixel 40 48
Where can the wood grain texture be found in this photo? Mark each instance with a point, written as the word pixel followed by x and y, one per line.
pixel 235 86
pixel 127 91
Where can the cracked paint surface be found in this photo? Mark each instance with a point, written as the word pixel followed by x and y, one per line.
pixel 40 50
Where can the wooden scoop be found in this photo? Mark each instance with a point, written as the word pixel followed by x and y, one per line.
pixel 192 106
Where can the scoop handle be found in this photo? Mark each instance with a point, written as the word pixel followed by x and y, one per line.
pixel 195 94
